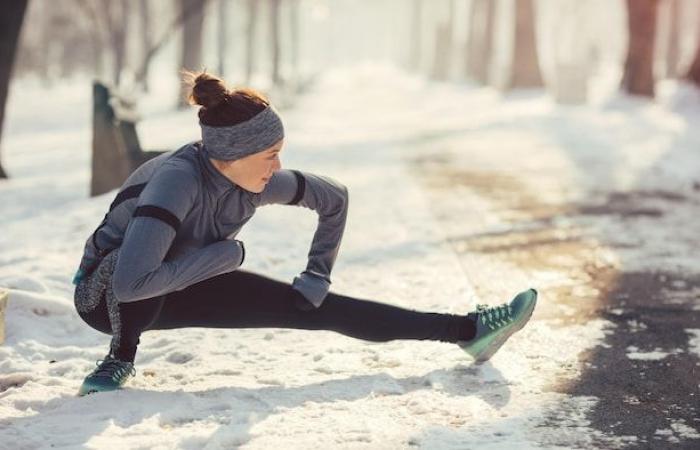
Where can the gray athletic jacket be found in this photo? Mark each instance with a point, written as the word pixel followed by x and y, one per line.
pixel 175 218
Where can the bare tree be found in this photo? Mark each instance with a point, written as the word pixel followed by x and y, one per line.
pixel 416 41
pixel 37 44
pixel 142 72
pixel 294 36
pixel 108 30
pixel 638 77
pixel 276 45
pixel 96 35
pixel 146 41
pixel 46 42
pixel 250 39
pixel 443 45
pixel 525 70
pixel 694 71
pixel 674 41
pixel 191 41
pixel 222 34
pixel 10 26
pixel 115 16
pixel 572 50
pixel 480 40
pixel 693 74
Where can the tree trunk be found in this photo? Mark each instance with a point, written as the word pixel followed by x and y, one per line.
pixel 141 73
pixel 416 41
pixel 638 77
pixel 222 36
pixel 443 46
pixel 47 42
pixel 693 74
pixel 191 42
pixel 276 46
pixel 694 71
pixel 673 47
pixel 480 40
pixel 146 43
pixel 294 37
pixel 250 42
pixel 10 26
pixel 115 15
pixel 97 33
pixel 525 71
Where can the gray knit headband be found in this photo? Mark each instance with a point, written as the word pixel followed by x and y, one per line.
pixel 245 138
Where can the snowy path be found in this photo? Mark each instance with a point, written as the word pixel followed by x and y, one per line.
pixel 597 207
pixel 201 388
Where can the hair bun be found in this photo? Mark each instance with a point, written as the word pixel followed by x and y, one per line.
pixel 221 106
pixel 207 90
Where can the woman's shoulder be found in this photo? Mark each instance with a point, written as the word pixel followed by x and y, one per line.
pixel 176 176
pixel 183 162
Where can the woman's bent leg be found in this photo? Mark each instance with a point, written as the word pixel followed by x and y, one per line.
pixel 243 299
pixel 124 322
pixel 135 317
pixel 98 307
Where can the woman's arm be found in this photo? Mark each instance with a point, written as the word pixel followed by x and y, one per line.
pixel 140 270
pixel 329 199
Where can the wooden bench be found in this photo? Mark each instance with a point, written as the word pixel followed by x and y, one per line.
pixel 4 295
pixel 116 150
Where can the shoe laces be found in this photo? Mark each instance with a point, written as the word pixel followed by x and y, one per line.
pixel 494 316
pixel 113 368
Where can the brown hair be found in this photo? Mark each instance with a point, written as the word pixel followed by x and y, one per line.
pixel 222 106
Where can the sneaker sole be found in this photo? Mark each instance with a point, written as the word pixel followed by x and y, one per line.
pixel 516 326
pixel 82 392
pixel 88 388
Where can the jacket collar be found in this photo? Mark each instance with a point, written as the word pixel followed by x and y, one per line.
pixel 218 180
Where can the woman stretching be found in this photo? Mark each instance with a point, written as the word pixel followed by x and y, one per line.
pixel 165 256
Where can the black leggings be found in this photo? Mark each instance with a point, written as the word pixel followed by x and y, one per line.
pixel 243 299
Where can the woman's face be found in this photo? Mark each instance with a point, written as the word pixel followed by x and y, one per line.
pixel 253 171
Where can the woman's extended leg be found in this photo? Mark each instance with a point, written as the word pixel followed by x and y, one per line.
pixel 243 299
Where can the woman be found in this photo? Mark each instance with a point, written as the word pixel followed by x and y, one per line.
pixel 165 256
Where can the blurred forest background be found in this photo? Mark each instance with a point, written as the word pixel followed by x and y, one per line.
pixel 279 46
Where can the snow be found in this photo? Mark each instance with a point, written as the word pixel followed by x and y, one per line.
pixel 684 430
pixel 212 388
pixel 678 429
pixel 655 355
pixel 694 342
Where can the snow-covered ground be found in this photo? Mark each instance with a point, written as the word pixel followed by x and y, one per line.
pixel 258 388
pixel 596 206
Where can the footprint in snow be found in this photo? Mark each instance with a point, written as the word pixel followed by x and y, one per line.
pixel 180 357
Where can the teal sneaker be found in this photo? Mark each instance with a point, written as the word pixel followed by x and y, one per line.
pixel 494 325
pixel 110 374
